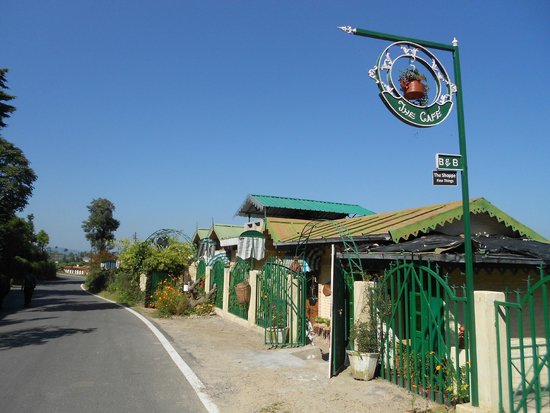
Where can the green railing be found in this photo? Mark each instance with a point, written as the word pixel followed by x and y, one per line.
pixel 281 305
pixel 217 279
pixel 239 275
pixel 424 333
pixel 523 363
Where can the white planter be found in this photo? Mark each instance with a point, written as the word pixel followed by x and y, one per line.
pixel 362 365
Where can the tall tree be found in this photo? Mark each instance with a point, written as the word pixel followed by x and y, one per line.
pixel 5 109
pixel 16 175
pixel 42 239
pixel 16 179
pixel 100 225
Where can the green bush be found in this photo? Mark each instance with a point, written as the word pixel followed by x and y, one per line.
pixel 42 269
pixel 126 289
pixel 98 280
pixel 169 300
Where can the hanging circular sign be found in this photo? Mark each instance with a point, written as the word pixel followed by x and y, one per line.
pixel 406 94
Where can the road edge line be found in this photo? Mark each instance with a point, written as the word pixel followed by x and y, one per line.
pixel 190 376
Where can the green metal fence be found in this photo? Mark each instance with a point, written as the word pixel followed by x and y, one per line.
pixel 281 305
pixel 523 364
pixel 217 278
pixel 424 333
pixel 239 275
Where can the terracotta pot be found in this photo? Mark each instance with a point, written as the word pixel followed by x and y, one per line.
pixel 415 90
pixel 326 290
pixel 243 292
pixel 295 265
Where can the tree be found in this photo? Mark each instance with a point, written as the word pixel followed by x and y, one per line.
pixel 5 109
pixel 16 179
pixel 42 239
pixel 100 226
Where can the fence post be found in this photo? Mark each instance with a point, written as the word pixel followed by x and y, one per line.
pixel 225 302
pixel 487 356
pixel 252 280
pixel 207 275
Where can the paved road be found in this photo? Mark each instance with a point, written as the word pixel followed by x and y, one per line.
pixel 72 352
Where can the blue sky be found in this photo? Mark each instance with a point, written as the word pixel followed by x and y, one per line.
pixel 176 110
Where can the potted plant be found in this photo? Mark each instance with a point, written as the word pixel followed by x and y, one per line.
pixel 279 328
pixel 364 334
pixel 413 84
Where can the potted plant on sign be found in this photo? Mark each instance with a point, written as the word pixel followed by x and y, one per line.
pixel 364 359
pixel 413 84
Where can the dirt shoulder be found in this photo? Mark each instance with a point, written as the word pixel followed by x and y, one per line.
pixel 243 375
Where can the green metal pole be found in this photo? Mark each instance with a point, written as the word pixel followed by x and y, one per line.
pixel 468 255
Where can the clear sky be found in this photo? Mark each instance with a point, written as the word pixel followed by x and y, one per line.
pixel 176 110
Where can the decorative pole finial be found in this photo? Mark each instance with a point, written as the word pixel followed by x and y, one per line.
pixel 455 42
pixel 347 29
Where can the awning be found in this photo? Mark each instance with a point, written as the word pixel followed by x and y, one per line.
pixel 251 245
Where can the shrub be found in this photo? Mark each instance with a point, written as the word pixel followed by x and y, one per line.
pixel 126 289
pixel 97 280
pixel 168 300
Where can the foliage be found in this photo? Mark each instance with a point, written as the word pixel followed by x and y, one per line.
pixel 42 269
pixel 408 75
pixel 169 300
pixel 365 331
pixel 18 252
pixel 42 240
pixel 98 280
pixel 125 288
pixel 16 179
pixel 5 109
pixel 322 320
pixel 430 372
pixel 100 225
pixel 143 257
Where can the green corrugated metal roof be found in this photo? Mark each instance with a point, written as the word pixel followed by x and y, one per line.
pixel 400 225
pixel 200 233
pixel 226 231
pixel 260 205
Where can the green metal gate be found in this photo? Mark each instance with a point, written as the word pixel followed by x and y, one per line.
pixel 525 377
pixel 217 278
pixel 239 273
pixel 425 344
pixel 281 305
pixel 156 279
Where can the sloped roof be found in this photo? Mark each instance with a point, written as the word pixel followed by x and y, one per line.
pixel 400 225
pixel 200 233
pixel 285 229
pixel 226 231
pixel 275 206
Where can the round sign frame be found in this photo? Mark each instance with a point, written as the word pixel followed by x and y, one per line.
pixel 421 116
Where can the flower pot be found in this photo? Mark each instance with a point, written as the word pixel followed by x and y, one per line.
pixel 415 90
pixel 279 335
pixel 326 290
pixel 362 365
pixel 242 290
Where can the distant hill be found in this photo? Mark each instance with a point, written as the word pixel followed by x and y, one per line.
pixel 62 251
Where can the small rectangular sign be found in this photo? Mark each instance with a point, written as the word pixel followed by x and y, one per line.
pixel 448 162
pixel 445 178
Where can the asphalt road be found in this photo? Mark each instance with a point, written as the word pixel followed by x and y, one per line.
pixel 72 352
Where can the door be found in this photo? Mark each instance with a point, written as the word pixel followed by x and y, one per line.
pixel 338 339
